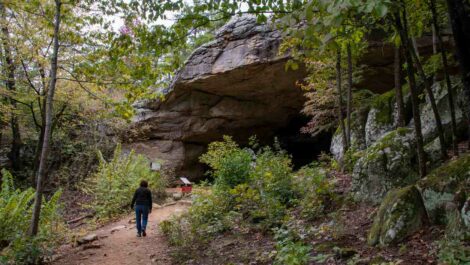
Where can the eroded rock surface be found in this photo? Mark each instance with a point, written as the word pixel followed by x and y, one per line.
pixel 385 165
pixel 235 85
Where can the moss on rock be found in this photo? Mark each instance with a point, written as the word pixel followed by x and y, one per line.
pixel 384 103
pixel 385 165
pixel 443 184
pixel 401 214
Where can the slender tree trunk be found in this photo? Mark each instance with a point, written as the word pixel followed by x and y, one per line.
pixel 445 64
pixel 49 108
pixel 398 90
pixel 414 97
pixel 349 103
pixel 340 100
pixel 14 154
pixel 460 20
pixel 427 87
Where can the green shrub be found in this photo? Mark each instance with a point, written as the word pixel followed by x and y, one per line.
pixel 452 248
pixel 252 191
pixel 230 165
pixel 291 250
pixel 208 216
pixel 272 175
pixel 314 190
pixel 115 182
pixel 15 215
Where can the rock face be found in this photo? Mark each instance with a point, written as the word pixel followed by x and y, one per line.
pixel 235 85
pixel 387 157
pixel 401 214
pixel 385 165
pixel 444 191
pixel 449 183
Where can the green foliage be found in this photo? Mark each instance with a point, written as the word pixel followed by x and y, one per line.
pixel 259 199
pixel 251 190
pixel 15 213
pixel 290 250
pixel 384 104
pixel 452 248
pixel 315 191
pixel 230 164
pixel 115 182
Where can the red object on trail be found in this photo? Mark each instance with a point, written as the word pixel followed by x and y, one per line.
pixel 186 189
pixel 186 186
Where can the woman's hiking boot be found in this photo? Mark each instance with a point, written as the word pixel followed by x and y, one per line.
pixel 143 233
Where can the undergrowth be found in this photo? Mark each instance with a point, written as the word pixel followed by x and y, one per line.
pixel 254 190
pixel 15 214
pixel 115 182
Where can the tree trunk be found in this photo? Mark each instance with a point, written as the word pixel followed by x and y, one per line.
pixel 398 89
pixel 414 97
pixel 445 64
pixel 48 125
pixel 14 154
pixel 349 102
pixel 427 88
pixel 460 20
pixel 340 100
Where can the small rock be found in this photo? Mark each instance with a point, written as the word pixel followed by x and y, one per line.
pixel 177 196
pixel 131 221
pixel 91 246
pixel 117 228
pixel 87 239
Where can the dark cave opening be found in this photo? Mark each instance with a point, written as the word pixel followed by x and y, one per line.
pixel 302 147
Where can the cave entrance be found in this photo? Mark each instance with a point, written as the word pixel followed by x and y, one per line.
pixel 302 147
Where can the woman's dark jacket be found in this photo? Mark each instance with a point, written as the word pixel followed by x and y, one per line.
pixel 142 196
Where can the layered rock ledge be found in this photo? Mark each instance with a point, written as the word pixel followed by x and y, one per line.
pixel 235 85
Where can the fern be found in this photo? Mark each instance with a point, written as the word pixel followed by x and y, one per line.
pixel 15 215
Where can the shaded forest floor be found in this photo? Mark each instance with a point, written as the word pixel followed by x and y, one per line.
pixel 337 238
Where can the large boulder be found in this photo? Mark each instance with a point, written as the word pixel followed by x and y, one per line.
pixel 387 164
pixel 390 160
pixel 236 85
pixel 447 184
pixel 380 118
pixel 400 215
pixel 428 121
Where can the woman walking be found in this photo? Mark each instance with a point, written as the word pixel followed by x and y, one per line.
pixel 142 202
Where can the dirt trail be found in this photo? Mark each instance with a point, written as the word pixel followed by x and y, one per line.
pixel 122 246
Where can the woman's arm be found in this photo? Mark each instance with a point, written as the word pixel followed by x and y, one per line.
pixel 133 199
pixel 150 201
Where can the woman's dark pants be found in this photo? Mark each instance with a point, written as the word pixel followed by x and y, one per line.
pixel 141 217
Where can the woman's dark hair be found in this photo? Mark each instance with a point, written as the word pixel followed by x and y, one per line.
pixel 144 184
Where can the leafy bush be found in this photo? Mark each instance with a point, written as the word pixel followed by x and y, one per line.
pixel 452 248
pixel 291 250
pixel 315 191
pixel 15 215
pixel 252 191
pixel 115 182
pixel 229 163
